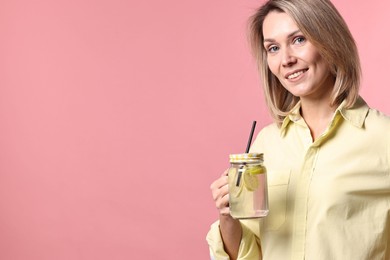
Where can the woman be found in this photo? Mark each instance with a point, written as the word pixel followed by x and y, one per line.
pixel 327 154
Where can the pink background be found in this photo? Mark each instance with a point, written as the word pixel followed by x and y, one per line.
pixel 115 117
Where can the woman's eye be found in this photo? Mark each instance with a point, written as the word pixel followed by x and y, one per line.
pixel 273 48
pixel 299 40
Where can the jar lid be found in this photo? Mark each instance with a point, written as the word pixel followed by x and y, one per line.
pixel 246 158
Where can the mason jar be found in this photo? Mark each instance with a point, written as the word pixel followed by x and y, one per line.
pixel 248 195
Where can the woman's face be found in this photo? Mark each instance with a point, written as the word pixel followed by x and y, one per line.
pixel 294 60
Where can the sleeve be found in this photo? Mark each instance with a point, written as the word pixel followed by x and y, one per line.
pixel 250 242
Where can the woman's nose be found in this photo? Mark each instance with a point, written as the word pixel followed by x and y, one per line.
pixel 288 58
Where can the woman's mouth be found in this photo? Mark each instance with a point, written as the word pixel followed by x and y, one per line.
pixel 296 74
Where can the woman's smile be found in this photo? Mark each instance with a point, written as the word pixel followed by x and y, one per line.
pixel 295 75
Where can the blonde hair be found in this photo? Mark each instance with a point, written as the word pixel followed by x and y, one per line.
pixel 323 26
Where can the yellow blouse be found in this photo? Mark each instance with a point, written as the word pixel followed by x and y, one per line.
pixel 329 199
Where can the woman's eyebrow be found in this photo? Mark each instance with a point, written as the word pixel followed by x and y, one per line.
pixel 288 36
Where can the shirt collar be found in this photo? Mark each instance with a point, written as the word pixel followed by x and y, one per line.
pixel 293 116
pixel 355 114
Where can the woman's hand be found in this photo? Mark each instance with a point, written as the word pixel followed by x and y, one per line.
pixel 229 227
pixel 220 191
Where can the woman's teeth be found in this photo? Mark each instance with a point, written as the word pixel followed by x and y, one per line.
pixel 296 74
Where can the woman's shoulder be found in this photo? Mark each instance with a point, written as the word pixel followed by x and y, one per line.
pixel 376 118
pixel 379 123
pixel 268 132
pixel 270 129
pixel 377 126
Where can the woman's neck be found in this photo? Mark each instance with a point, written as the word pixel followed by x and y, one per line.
pixel 317 115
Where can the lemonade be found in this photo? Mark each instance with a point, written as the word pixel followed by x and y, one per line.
pixel 247 186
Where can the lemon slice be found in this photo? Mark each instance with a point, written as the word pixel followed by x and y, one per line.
pixel 256 170
pixel 250 177
pixel 234 190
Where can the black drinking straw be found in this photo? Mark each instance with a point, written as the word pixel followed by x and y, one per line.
pixel 247 150
pixel 250 137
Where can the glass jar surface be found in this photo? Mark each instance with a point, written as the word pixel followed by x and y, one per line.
pixel 248 194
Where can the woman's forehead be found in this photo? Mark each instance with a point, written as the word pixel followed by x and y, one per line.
pixel 278 24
